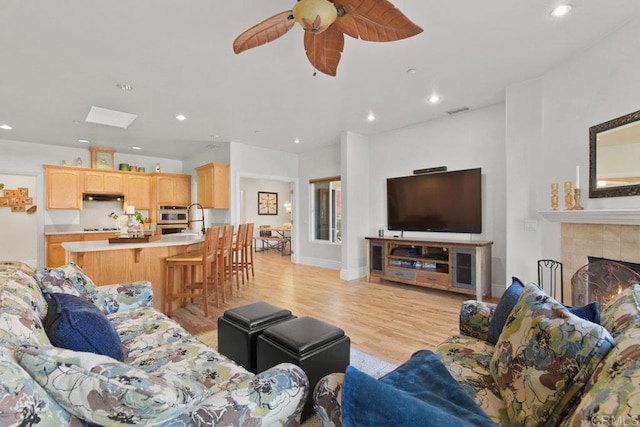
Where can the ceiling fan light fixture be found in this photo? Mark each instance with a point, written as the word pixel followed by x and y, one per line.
pixel 315 16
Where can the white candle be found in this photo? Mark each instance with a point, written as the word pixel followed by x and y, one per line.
pixel 577 177
pixel 130 210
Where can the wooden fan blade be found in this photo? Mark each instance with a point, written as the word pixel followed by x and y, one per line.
pixel 324 50
pixel 264 32
pixel 374 20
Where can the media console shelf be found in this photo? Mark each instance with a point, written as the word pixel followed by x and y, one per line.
pixel 451 265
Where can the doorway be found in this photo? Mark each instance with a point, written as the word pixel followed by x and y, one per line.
pixel 248 204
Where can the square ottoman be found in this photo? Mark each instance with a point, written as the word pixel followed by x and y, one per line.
pixel 317 347
pixel 238 330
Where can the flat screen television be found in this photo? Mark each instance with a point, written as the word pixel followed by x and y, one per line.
pixel 442 202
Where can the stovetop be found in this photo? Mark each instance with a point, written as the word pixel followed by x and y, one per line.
pixel 101 229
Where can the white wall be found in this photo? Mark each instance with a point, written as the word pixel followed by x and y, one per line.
pixel 597 85
pixel 321 163
pixel 467 140
pixel 18 230
pixel 355 203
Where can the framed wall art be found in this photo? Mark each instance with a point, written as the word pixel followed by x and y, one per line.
pixel 267 203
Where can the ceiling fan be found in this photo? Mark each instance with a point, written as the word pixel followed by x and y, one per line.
pixel 325 23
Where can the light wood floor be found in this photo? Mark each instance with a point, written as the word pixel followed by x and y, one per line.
pixel 386 319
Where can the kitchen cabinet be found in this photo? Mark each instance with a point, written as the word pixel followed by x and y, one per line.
pixel 172 189
pixel 213 185
pixel 55 251
pixel 138 191
pixel 63 187
pixel 96 181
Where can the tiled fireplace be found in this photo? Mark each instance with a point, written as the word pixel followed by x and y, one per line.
pixel 579 241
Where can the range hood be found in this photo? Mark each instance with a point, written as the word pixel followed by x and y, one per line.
pixel 102 197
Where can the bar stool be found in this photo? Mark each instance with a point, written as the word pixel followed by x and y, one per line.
pixel 225 260
pixel 187 263
pixel 238 257
pixel 248 250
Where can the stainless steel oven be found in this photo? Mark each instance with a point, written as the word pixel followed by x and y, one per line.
pixel 171 228
pixel 173 219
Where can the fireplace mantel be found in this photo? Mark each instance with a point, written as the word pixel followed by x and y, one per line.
pixel 596 216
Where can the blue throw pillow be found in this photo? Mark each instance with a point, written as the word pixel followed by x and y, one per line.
pixel 503 309
pixel 77 324
pixel 590 312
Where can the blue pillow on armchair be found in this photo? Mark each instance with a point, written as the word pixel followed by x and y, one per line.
pixel 503 309
pixel 590 312
pixel 77 324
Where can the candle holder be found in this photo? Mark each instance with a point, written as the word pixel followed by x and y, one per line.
pixel 576 200
pixel 554 196
pixel 568 196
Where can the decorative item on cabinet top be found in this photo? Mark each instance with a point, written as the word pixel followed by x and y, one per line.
pixel 101 158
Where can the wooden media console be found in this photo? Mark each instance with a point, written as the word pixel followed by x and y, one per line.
pixel 451 265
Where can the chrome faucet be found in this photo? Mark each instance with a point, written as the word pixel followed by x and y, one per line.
pixel 197 220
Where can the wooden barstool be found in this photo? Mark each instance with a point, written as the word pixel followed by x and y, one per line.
pixel 188 262
pixel 248 250
pixel 238 256
pixel 225 260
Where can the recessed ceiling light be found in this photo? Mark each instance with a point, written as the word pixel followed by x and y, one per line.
pixel 136 148
pixel 124 87
pixel 434 99
pixel 412 71
pixel 5 127
pixel 297 141
pixel 181 117
pixel 561 10
pixel 86 141
pixel 371 117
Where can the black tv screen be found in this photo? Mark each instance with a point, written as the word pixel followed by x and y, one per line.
pixel 444 202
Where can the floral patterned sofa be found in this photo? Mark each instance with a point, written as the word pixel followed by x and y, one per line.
pixel 168 377
pixel 547 368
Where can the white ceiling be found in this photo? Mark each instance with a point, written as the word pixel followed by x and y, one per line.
pixel 60 57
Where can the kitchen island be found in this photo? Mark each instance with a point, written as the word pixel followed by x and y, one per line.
pixel 107 263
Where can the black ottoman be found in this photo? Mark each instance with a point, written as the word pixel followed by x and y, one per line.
pixel 239 328
pixel 317 347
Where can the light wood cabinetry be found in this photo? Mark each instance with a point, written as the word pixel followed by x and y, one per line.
pixel 55 251
pixel 457 266
pixel 64 187
pixel 103 182
pixel 137 191
pixel 213 185
pixel 172 189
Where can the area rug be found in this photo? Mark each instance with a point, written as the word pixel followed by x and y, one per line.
pixel 362 361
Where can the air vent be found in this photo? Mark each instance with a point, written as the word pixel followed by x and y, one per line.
pixel 458 110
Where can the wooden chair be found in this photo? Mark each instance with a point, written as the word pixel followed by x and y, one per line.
pixel 248 251
pixel 225 260
pixel 238 254
pixel 188 263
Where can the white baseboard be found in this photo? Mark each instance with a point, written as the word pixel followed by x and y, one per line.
pixel 319 262
pixel 353 274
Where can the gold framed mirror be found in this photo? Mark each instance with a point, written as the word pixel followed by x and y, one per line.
pixel 614 157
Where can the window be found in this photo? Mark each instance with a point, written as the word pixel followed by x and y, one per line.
pixel 326 206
